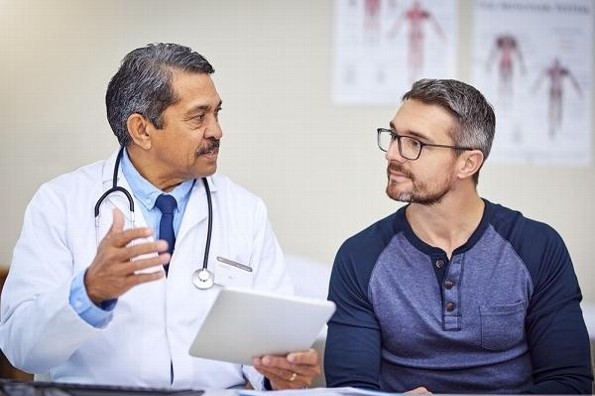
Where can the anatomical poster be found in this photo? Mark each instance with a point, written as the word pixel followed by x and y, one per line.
pixel 382 46
pixel 533 60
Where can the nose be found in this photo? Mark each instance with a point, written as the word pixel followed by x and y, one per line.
pixel 393 154
pixel 213 130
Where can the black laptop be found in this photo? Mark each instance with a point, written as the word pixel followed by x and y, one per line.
pixel 37 388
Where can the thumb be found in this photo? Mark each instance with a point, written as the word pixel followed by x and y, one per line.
pixel 118 221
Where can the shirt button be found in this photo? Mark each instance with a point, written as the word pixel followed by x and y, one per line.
pixel 450 307
pixel 439 263
pixel 448 284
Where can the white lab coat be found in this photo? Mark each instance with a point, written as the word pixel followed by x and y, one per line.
pixel 154 323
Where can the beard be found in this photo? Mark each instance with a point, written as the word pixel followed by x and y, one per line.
pixel 421 192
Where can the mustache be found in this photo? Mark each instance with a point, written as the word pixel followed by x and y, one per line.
pixel 211 146
pixel 392 167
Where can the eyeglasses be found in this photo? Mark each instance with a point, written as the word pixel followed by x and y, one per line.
pixel 409 148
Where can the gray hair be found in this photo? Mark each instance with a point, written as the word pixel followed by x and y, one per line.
pixel 475 116
pixel 142 84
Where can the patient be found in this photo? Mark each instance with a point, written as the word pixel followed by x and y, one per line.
pixel 452 292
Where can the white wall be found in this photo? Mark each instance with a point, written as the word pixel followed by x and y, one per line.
pixel 316 165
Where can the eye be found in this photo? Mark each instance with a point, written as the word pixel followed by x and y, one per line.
pixel 412 143
pixel 196 120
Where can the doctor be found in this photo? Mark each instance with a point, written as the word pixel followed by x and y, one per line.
pixel 98 297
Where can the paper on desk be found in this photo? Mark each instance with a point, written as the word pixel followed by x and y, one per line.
pixel 315 392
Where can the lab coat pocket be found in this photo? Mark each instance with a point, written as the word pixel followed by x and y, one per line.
pixel 233 273
pixel 502 326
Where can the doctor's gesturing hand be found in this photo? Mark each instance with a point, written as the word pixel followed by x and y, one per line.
pixel 295 371
pixel 114 269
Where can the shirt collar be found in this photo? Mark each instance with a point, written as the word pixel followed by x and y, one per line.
pixel 146 192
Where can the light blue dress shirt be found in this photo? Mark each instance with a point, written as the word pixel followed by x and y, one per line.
pixel 146 194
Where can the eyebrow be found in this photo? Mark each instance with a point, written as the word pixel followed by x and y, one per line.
pixel 410 133
pixel 200 108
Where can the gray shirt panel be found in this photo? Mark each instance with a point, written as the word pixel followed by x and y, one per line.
pixel 473 322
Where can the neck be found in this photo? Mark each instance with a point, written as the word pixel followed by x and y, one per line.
pixel 145 165
pixel 450 223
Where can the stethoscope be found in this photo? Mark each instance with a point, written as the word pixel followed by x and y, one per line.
pixel 202 278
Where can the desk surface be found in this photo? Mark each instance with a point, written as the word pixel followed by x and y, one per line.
pixel 10 387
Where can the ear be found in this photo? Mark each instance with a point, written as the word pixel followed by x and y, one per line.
pixel 470 163
pixel 139 129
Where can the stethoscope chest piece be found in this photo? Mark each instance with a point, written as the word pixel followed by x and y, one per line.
pixel 203 279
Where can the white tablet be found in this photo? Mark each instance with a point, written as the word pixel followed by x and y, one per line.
pixel 243 324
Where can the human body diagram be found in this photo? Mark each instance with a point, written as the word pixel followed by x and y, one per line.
pixel 556 74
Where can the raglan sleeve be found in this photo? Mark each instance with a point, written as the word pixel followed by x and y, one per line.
pixel 556 331
pixel 352 352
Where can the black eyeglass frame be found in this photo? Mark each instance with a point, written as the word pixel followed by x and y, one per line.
pixel 398 137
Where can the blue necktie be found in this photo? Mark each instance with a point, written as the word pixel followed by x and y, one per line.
pixel 166 204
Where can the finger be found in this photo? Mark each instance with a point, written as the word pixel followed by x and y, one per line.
pixel 263 365
pixel 306 362
pixel 134 280
pixel 155 247
pixel 299 376
pixel 308 371
pixel 123 238
pixel 133 267
pixel 420 390
pixel 278 381
pixel 117 221
pixel 275 373
pixel 138 279
pixel 126 260
pixel 280 367
pixel 275 362
pixel 288 380
pixel 309 357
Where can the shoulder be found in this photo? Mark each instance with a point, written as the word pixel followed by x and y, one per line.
pixel 353 268
pixel 67 185
pixel 358 255
pixel 237 199
pixel 513 226
pixel 537 244
pixel 374 238
pixel 232 190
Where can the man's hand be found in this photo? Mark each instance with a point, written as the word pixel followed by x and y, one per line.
pixel 294 371
pixel 114 270
pixel 419 391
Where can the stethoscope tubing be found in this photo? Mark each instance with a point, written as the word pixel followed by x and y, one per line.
pixel 202 278
pixel 205 261
pixel 114 189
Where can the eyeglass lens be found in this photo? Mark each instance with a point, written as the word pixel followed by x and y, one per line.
pixel 408 147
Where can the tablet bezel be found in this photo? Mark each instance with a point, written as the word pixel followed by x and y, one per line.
pixel 245 323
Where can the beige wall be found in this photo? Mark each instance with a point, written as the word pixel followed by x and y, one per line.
pixel 315 165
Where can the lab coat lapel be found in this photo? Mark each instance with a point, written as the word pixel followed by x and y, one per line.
pixel 197 208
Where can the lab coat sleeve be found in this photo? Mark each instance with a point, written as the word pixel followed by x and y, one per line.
pixel 270 271
pixel 38 327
